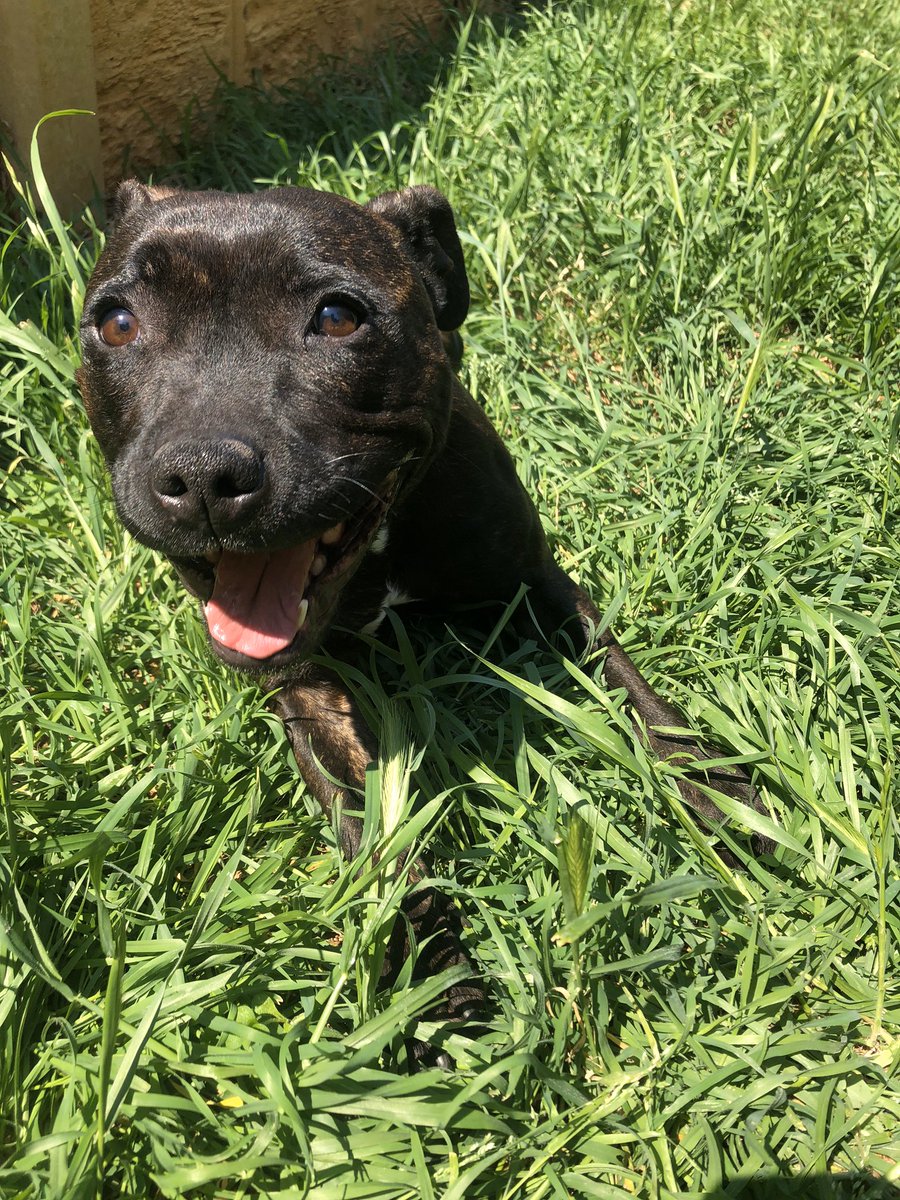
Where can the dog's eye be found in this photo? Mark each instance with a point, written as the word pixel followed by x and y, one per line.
pixel 336 320
pixel 118 327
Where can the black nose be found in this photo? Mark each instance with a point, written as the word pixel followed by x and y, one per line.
pixel 216 481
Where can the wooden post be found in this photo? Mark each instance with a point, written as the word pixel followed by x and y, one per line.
pixel 47 53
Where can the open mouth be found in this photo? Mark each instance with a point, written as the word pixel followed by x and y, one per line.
pixel 266 602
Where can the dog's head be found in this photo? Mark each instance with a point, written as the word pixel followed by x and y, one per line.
pixel 265 376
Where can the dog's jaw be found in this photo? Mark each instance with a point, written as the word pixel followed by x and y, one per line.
pixel 267 609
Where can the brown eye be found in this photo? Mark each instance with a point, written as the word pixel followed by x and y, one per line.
pixel 118 327
pixel 336 320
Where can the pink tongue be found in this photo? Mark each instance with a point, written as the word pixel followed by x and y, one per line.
pixel 253 608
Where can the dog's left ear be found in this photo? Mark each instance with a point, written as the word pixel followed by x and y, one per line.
pixel 425 221
pixel 132 195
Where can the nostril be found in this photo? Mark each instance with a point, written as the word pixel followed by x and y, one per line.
pixel 227 488
pixel 241 477
pixel 171 485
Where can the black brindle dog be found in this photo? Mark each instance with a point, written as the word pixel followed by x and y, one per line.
pixel 267 379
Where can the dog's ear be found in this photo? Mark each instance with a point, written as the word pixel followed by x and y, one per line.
pixel 426 225
pixel 132 195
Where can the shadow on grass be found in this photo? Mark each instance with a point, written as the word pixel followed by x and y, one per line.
pixel 251 136
pixel 842 1186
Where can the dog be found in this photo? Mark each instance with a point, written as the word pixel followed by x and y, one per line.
pixel 268 378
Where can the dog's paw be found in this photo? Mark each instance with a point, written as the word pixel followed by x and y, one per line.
pixel 462 1005
pixel 421 1056
pixel 464 1002
pixel 696 784
pixel 436 925
pixel 433 931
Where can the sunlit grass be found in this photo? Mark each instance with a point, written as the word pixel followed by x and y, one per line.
pixel 682 227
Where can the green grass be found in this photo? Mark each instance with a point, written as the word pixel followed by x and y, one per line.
pixel 682 225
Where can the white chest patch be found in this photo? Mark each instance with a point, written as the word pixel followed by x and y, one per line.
pixel 393 597
pixel 380 540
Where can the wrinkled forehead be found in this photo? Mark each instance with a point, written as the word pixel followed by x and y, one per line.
pixel 293 237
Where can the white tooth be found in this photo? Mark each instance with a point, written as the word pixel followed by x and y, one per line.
pixel 318 564
pixel 302 610
pixel 330 536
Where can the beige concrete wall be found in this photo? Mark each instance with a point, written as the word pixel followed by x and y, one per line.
pixel 137 65
pixel 152 56
pixel 279 35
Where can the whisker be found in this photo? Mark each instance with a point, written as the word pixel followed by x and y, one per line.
pixel 364 487
pixel 340 457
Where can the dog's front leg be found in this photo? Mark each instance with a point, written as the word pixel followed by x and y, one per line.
pixel 331 741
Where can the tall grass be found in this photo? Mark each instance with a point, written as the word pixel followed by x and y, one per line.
pixel 682 225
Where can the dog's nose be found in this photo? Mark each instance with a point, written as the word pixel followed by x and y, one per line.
pixel 219 481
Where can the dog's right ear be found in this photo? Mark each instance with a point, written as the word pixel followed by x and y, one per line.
pixel 132 195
